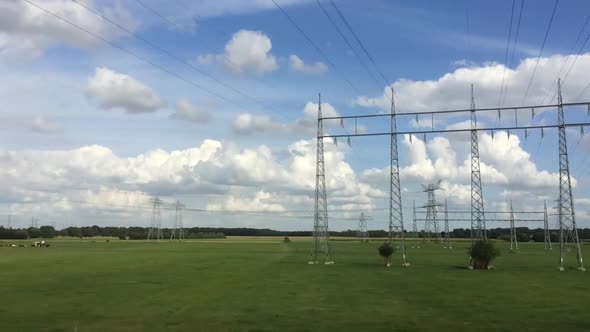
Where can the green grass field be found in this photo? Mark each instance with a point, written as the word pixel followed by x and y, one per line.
pixel 262 284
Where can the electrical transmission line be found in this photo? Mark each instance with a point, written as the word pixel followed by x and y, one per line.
pixel 363 64
pixel 172 55
pixel 506 54
pixel 541 51
pixel 316 47
pixel 155 12
pixel 359 42
pixel 117 46
pixel 572 49
pixel 502 99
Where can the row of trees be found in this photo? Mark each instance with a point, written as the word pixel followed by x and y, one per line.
pixel 524 234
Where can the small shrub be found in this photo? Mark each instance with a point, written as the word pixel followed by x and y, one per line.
pixel 385 251
pixel 482 254
pixel 286 239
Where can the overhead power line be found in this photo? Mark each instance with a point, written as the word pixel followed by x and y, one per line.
pixel 228 61
pixel 166 52
pixel 359 42
pixel 541 51
pixel 575 59
pixel 572 49
pixel 139 57
pixel 352 48
pixel 316 47
pixel 155 12
pixel 506 53
pixel 467 28
pixel 503 98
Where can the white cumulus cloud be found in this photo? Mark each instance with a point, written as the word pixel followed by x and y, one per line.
pixel 225 176
pixel 185 110
pixel 43 126
pixel 110 89
pixel 452 90
pixel 298 65
pixel 249 124
pixel 247 52
pixel 26 30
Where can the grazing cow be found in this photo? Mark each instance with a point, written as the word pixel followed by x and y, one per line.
pixel 13 245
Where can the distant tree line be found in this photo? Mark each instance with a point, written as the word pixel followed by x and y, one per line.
pixel 524 234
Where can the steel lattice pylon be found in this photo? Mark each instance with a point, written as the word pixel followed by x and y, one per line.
pixel 155 231
pixel 547 237
pixel 513 241
pixel 431 226
pixel 321 237
pixel 178 231
pixel 363 231
pixel 478 223
pixel 415 226
pixel 447 238
pixel 566 213
pixel 396 218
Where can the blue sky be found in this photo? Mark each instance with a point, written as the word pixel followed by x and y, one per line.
pixel 86 125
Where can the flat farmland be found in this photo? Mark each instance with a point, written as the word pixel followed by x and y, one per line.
pixel 263 284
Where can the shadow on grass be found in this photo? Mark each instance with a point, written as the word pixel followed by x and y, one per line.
pixel 460 267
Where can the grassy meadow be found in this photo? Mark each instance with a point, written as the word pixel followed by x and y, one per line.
pixel 262 284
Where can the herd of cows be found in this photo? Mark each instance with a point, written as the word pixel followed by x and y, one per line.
pixel 37 244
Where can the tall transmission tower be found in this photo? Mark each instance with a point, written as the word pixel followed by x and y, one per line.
pixel 478 223
pixel 547 237
pixel 155 231
pixel 363 231
pixel 321 236
pixel 9 223
pixel 178 231
pixel 513 241
pixel 567 215
pixel 396 218
pixel 415 226
pixel 447 239
pixel 431 226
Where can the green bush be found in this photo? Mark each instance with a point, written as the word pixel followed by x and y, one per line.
pixel 385 251
pixel 482 254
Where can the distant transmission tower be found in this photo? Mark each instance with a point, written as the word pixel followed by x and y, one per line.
pixel 396 218
pixel 9 223
pixel 321 236
pixel 547 237
pixel 431 226
pixel 363 231
pixel 513 241
pixel 447 239
pixel 478 223
pixel 155 231
pixel 415 227
pixel 178 231
pixel 567 215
